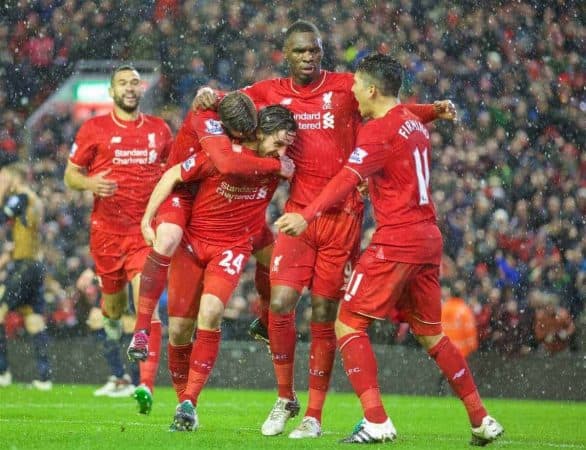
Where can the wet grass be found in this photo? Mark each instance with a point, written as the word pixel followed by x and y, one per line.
pixel 69 417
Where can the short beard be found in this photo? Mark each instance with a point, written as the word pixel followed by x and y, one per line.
pixel 129 109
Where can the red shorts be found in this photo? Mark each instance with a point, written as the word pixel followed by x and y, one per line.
pixel 118 258
pixel 262 239
pixel 176 208
pixel 203 269
pixel 378 285
pixel 321 258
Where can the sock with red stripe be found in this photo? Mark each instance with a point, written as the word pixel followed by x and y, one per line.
pixel 454 367
pixel 203 358
pixel 361 368
pixel 179 356
pixel 321 360
pixel 282 343
pixel 150 367
pixel 152 283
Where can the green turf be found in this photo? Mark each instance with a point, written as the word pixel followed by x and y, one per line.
pixel 70 417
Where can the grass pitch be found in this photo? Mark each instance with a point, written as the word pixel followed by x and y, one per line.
pixel 69 417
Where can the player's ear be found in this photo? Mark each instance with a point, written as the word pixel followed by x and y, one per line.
pixel 111 91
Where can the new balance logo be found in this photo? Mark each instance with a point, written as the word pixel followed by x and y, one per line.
pixel 459 374
pixel 328 120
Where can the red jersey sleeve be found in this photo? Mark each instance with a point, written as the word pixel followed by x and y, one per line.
pixel 196 168
pixel 335 192
pixel 217 145
pixel 425 112
pixel 83 150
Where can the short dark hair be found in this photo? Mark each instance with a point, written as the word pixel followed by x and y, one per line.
pixel 121 68
pixel 384 71
pixel 302 26
pixel 238 113
pixel 276 118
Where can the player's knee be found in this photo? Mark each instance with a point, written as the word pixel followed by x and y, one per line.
pixel 323 310
pixel 34 323
pixel 168 239
pixel 283 304
pixel 113 305
pixel 428 342
pixel 128 322
pixel 180 332
pixel 210 317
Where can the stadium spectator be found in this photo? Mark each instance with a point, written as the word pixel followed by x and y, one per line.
pixel 553 325
pixel 458 321
pixel 118 157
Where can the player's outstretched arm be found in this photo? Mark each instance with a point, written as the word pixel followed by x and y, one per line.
pixel 76 178
pixel 337 189
pixel 162 190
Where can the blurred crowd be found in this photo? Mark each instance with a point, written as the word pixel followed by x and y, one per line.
pixel 509 177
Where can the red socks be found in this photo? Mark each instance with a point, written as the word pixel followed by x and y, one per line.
pixel 282 342
pixel 361 368
pixel 150 367
pixel 262 280
pixel 456 370
pixel 203 358
pixel 321 360
pixel 179 366
pixel 152 284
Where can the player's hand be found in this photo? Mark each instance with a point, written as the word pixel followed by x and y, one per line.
pixel 446 110
pixel 363 189
pixel 147 232
pixel 287 167
pixel 101 186
pixel 205 99
pixel 292 224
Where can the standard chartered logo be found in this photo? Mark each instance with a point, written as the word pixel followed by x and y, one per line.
pixel 328 120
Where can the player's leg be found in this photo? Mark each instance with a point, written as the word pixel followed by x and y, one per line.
pixel 292 266
pixel 262 251
pixel 183 305
pixel 155 271
pixel 424 315
pixel 35 323
pixel 337 254
pixel 222 272
pixel 370 293
pixel 170 222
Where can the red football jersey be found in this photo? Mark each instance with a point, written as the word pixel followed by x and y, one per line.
pixel 135 152
pixel 327 115
pixel 394 153
pixel 227 209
